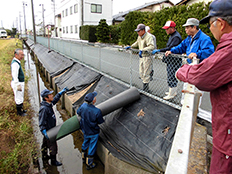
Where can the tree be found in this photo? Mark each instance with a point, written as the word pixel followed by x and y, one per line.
pixel 103 31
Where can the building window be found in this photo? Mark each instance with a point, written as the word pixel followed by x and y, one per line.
pixel 71 29
pixel 71 10
pixel 66 12
pixel 67 29
pixel 75 8
pixel 63 29
pixel 76 29
pixel 96 8
pixel 63 13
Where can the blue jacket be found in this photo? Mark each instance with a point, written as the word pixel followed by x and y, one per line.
pixel 90 118
pixel 201 44
pixel 47 118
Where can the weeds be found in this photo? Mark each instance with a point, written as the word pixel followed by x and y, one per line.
pixel 17 143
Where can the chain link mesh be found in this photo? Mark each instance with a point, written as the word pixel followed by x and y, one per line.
pixel 123 65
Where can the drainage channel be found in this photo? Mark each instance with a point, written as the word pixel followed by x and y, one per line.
pixel 69 148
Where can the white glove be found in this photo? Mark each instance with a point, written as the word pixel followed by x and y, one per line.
pixel 19 88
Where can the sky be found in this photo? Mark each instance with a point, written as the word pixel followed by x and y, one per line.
pixel 11 10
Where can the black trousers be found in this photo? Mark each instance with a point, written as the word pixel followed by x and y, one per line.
pixel 47 144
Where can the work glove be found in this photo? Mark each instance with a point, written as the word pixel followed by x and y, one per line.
pixel 63 90
pixel 155 51
pixel 140 53
pixel 127 47
pixel 19 88
pixel 45 133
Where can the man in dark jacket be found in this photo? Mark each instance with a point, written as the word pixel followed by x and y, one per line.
pixel 47 120
pixel 214 74
pixel 90 118
pixel 172 66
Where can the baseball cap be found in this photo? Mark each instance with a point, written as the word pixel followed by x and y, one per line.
pixel 45 93
pixel 169 24
pixel 191 21
pixel 140 27
pixel 220 8
pixel 90 96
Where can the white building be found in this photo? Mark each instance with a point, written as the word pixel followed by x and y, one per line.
pixel 71 14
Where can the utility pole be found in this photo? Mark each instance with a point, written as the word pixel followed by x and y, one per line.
pixel 24 4
pixel 55 17
pixel 20 23
pixel 82 13
pixel 33 21
pixel 43 20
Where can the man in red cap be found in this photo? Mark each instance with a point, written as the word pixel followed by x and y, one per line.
pixel 214 74
pixel 174 40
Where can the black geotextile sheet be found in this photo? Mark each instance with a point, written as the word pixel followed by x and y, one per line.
pixel 108 88
pixel 77 78
pixel 143 141
pixel 53 62
pixel 29 42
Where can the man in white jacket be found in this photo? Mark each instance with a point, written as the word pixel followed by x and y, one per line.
pixel 17 82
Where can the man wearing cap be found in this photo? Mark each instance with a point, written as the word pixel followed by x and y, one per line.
pixel 197 44
pixel 145 43
pixel 47 120
pixel 174 40
pixel 91 117
pixel 17 82
pixel 214 74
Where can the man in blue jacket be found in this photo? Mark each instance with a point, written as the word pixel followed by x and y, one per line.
pixel 90 118
pixel 47 120
pixel 197 44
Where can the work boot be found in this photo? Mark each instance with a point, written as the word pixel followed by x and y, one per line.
pixel 84 154
pixel 172 93
pixel 89 163
pixel 151 75
pixel 20 110
pixel 54 162
pixel 146 87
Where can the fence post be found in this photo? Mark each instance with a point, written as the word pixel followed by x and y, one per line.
pixel 131 68
pixel 82 52
pixel 99 56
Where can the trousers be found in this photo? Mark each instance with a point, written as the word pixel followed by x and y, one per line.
pixel 18 95
pixel 90 141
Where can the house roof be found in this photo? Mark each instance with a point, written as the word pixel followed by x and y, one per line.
pixel 121 16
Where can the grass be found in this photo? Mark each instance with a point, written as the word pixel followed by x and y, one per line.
pixel 17 145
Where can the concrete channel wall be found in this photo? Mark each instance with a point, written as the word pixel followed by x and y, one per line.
pixel 111 163
pixel 194 161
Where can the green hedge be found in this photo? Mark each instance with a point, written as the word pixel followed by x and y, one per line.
pixel 157 20
pixel 87 32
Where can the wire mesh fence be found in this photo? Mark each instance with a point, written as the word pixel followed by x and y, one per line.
pixel 123 65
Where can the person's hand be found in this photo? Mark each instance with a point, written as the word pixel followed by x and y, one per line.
pixel 140 53
pixel 167 53
pixel 19 88
pixel 45 133
pixel 192 55
pixel 155 51
pixel 127 47
pixel 63 90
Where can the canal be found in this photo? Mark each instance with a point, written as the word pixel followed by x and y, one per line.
pixel 69 148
